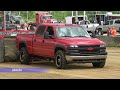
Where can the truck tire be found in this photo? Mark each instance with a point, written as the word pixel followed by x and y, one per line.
pixel 99 64
pixel 100 32
pixel 24 56
pixel 60 60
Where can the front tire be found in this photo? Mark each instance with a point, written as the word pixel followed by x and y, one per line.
pixel 99 64
pixel 24 56
pixel 60 60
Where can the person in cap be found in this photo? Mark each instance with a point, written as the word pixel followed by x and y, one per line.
pixel 113 32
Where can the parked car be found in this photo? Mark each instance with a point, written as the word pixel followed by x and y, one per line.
pixel 102 29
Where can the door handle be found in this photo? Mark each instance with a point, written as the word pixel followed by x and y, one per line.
pixel 43 41
pixel 34 40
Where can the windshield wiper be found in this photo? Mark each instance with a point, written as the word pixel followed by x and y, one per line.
pixel 80 36
pixel 65 36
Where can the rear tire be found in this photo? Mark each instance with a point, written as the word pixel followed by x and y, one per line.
pixel 60 60
pixel 24 56
pixel 99 64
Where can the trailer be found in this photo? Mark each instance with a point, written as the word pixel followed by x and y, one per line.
pixel 71 19
pixel 102 18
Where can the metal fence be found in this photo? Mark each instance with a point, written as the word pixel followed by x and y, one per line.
pixel 2 50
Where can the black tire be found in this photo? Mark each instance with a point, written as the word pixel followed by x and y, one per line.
pixel 99 64
pixel 119 31
pixel 60 60
pixel 24 56
pixel 100 32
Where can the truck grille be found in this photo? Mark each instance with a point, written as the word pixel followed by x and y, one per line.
pixel 86 50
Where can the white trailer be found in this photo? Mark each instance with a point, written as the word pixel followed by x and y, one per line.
pixel 71 19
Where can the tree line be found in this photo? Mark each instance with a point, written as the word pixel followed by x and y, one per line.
pixel 59 15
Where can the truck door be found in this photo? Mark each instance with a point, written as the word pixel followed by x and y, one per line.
pixel 117 25
pixel 49 43
pixel 38 40
pixel 111 23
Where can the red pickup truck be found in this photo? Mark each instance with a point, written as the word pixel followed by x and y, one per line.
pixel 62 43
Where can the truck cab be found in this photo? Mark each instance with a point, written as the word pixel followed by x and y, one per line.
pixel 44 17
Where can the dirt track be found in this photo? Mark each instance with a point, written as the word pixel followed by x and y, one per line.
pixel 73 71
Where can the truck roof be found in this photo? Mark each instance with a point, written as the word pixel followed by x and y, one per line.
pixel 58 24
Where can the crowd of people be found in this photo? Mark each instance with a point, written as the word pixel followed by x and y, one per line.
pixel 27 26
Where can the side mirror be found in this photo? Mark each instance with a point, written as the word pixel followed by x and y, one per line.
pixel 46 35
pixel 51 36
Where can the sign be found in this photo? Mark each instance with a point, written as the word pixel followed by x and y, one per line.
pixel 14 33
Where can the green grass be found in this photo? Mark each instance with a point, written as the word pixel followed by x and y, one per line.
pixel 112 44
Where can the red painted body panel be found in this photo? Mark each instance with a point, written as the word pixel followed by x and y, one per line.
pixel 80 41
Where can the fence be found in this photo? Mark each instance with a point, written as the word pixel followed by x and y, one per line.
pixel 110 41
pixel 2 49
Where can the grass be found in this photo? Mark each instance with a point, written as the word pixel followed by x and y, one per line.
pixel 113 44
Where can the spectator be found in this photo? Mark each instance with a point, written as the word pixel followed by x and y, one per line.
pixel 26 26
pixel 29 26
pixel 101 22
pixel 108 31
pixel 113 32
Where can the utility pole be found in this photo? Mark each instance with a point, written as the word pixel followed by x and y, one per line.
pixel 76 17
pixel 9 13
pixel 84 15
pixel 4 20
pixel 72 13
pixel 27 16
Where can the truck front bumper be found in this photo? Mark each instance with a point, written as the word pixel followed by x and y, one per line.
pixel 86 59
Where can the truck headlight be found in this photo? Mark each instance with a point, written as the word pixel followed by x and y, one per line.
pixel 102 45
pixel 73 46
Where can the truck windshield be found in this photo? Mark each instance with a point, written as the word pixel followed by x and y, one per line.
pixel 71 31
pixel 47 17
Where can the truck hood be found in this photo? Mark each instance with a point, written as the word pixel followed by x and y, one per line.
pixel 80 41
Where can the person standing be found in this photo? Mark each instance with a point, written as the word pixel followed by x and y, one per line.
pixel 108 31
pixel 113 32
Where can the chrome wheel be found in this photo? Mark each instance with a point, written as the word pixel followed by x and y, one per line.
pixel 58 60
pixel 22 56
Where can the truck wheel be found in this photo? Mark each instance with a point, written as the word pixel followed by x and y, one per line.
pixel 60 60
pixel 100 32
pixel 99 65
pixel 24 56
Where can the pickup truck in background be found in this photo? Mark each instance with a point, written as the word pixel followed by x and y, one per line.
pixel 62 43
pixel 90 27
pixel 102 29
